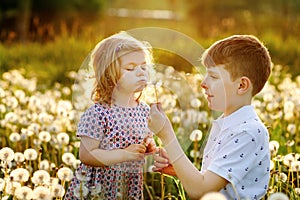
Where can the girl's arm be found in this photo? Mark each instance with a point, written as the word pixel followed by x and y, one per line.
pixel 90 154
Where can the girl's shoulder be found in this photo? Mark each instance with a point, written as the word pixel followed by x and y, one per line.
pixel 98 108
pixel 144 105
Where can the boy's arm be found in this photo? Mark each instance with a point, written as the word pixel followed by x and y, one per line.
pixel 90 154
pixel 195 183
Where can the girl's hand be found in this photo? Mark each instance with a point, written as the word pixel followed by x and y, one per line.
pixel 135 152
pixel 150 145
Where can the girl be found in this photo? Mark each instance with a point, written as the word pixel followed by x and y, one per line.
pixel 114 131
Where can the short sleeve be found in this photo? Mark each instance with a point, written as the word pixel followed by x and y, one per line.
pixel 93 122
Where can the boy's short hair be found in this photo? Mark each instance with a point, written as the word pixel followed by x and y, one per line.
pixel 242 55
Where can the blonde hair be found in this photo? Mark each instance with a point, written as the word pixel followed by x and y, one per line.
pixel 242 55
pixel 106 64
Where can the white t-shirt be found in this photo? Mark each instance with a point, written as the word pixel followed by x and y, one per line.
pixel 238 150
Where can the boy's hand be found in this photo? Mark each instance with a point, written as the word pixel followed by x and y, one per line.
pixel 162 163
pixel 158 119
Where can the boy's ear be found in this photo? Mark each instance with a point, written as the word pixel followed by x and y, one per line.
pixel 245 85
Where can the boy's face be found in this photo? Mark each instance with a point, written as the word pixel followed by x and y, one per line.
pixel 221 91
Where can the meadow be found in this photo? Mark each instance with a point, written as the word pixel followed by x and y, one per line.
pixel 39 148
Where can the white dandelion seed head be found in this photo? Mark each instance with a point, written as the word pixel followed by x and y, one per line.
pixel 11 187
pixel 20 175
pixel 196 135
pixel 63 138
pixel 6 154
pixel 41 193
pixel 65 174
pixel 278 196
pixel 282 177
pixel 53 181
pixel 44 136
pixel 30 154
pixel 57 190
pixel 81 191
pixel 295 166
pixel 68 158
pixel 195 103
pixel 24 193
pixel 213 196
pixel 76 163
pixel 273 146
pixel 40 177
pixel 44 165
pixel 14 137
pixel 289 158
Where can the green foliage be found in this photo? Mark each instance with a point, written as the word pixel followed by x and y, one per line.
pixel 47 62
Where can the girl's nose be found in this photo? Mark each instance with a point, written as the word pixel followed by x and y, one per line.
pixel 140 70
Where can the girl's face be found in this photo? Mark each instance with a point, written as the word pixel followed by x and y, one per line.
pixel 221 91
pixel 134 72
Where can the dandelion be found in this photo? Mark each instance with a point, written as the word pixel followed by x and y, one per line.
pixel 295 166
pixel 20 175
pixel 272 165
pixel 30 154
pixel 176 119
pixel 76 163
pixel 213 196
pixel 2 184
pixel 273 146
pixel 65 174
pixel 194 154
pixel 57 190
pixel 53 181
pixel 26 132
pixel 196 135
pixel 195 103
pixel 34 127
pixel 42 193
pixel 40 177
pixel 2 108
pixel 68 158
pixel 278 196
pixel 291 128
pixel 81 191
pixel 81 175
pixel 44 165
pixel 63 138
pixel 289 158
pixel 44 136
pixel 14 137
pixel 11 187
pixel 281 177
pixel 6 154
pixel 24 193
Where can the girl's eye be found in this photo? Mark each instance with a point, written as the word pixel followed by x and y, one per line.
pixel 213 77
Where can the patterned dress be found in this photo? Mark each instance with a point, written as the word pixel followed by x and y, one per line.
pixel 116 128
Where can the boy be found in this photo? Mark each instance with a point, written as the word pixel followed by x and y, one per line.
pixel 236 157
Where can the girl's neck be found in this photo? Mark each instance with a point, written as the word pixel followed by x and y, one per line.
pixel 124 101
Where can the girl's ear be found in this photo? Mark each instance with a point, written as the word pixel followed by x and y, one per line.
pixel 245 85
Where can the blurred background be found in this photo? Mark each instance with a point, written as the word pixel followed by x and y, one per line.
pixel 43 43
pixel 47 38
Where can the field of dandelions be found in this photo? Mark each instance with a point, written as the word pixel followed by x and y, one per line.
pixel 39 148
